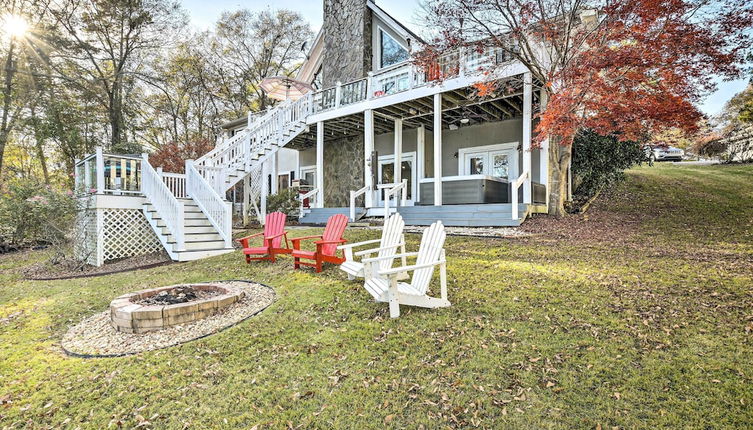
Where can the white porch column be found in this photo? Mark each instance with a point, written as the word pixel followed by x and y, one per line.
pixel 320 164
pixel 420 156
pixel 100 171
pixel 544 153
pixel 264 192
pixel 398 151
pixel 527 101
pixel 273 172
pixel 246 198
pixel 368 148
pixel 438 149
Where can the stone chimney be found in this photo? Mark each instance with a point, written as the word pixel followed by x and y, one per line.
pixel 347 41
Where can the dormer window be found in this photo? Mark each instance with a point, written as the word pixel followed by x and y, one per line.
pixel 390 50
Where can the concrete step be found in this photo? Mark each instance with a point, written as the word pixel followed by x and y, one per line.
pixel 199 254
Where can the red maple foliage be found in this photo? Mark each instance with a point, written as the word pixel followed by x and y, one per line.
pixel 172 156
pixel 621 67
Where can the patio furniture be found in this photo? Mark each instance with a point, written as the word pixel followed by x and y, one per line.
pixel 386 287
pixel 274 231
pixel 326 246
pixel 392 239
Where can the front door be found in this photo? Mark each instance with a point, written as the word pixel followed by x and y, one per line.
pixel 387 175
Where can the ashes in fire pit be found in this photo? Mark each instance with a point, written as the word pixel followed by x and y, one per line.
pixel 181 294
pixel 157 308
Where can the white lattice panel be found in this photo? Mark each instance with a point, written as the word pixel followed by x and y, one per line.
pixel 126 233
pixel 85 243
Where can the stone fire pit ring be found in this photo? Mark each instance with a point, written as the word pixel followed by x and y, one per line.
pixel 128 316
pixel 97 337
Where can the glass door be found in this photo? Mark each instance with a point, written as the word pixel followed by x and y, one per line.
pixel 407 172
pixel 502 164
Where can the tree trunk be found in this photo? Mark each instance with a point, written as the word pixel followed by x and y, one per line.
pixel 39 141
pixel 559 166
pixel 7 99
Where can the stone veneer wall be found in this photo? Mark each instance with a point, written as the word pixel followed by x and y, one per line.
pixel 347 41
pixel 343 169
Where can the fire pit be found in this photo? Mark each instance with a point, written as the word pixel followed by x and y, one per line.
pixel 158 308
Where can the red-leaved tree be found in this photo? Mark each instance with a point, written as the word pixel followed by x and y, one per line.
pixel 172 156
pixel 622 67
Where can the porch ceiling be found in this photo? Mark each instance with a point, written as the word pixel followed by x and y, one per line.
pixel 457 105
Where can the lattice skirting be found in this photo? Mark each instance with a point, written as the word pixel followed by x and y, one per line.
pixel 108 234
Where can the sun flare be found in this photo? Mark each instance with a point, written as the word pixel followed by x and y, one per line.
pixel 14 26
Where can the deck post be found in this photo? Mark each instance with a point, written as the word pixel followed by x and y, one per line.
pixel 264 193
pixel 100 170
pixel 398 160
pixel 246 198
pixel 320 164
pixel 544 153
pixel 527 101
pixel 438 149
pixel 368 148
pixel 420 156
pixel 273 170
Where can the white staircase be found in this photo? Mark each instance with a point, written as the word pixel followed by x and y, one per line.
pixel 189 213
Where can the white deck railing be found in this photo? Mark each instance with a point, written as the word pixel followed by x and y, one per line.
pixel 353 196
pixel 514 186
pixel 176 183
pixel 169 208
pixel 392 190
pixel 102 173
pixel 218 211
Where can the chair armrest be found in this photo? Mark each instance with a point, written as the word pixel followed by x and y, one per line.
pixel 284 233
pixel 298 239
pixel 398 270
pixel 329 242
pixel 375 250
pixel 249 237
pixel 407 254
pixel 244 240
pixel 353 245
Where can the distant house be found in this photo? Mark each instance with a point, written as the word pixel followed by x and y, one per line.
pixel 377 134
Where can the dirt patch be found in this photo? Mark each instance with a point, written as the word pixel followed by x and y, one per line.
pixel 47 271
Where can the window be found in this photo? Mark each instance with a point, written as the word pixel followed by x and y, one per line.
pixel 500 161
pixel 390 51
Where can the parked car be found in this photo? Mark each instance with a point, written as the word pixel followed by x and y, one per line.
pixel 664 153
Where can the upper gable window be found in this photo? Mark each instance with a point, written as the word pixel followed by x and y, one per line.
pixel 390 51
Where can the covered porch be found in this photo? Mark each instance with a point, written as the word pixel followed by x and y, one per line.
pixel 451 155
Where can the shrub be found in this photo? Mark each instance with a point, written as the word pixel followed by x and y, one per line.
pixel 599 161
pixel 32 213
pixel 285 201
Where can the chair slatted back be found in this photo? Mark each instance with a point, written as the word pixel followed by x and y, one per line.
pixel 392 234
pixel 334 231
pixel 429 251
pixel 274 224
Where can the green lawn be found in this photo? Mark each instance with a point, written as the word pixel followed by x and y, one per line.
pixel 637 315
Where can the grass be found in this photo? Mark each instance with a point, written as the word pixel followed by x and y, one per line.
pixel 643 319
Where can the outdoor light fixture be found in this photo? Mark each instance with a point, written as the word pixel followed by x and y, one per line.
pixel 464 120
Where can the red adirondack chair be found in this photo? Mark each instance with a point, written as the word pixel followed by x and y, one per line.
pixel 326 246
pixel 274 231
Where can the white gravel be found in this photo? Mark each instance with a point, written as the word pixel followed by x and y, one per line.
pixel 94 336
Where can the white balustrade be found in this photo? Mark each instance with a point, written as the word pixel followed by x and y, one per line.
pixel 176 182
pixel 169 208
pixel 392 190
pixel 218 210
pixel 514 186
pixel 302 198
pixel 353 196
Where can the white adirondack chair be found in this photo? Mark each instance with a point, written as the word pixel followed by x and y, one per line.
pixel 392 239
pixel 385 286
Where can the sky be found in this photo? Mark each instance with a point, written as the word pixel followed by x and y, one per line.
pixel 204 13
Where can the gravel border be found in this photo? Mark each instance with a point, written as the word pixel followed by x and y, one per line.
pixel 94 337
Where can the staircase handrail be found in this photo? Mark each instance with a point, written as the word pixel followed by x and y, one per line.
pixel 392 189
pixel 169 208
pixel 353 196
pixel 514 185
pixel 303 197
pixel 217 210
